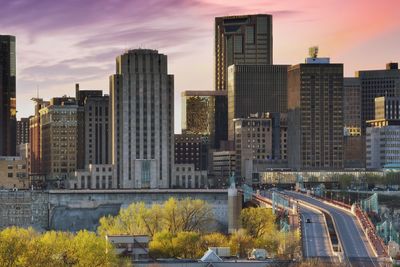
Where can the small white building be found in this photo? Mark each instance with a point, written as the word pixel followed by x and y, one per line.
pixel 96 176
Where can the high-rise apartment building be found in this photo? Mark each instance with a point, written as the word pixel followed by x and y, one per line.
pixel 376 83
pixel 255 89
pixel 352 106
pixel 23 131
pixel 7 96
pixel 58 138
pixel 241 40
pixel 206 113
pixel 315 115
pixel 142 120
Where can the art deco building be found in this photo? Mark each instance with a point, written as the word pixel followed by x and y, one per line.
pixel 241 40
pixel 255 89
pixel 315 115
pixel 376 83
pixel 206 113
pixel 7 96
pixel 142 120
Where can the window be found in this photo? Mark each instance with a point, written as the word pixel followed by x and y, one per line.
pixel 10 175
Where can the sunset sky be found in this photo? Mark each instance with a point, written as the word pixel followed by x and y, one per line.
pixel 60 43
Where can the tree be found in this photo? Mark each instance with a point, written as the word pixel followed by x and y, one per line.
pixel 258 221
pixel 214 240
pixel 187 245
pixel 240 243
pixel 161 245
pixel 173 215
pixel 13 243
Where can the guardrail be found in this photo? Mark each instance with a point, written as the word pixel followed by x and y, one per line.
pixel 370 231
pixel 366 224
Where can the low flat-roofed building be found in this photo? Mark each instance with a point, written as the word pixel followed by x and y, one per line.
pixel 96 176
pixel 13 173
pixel 135 246
pixel 186 176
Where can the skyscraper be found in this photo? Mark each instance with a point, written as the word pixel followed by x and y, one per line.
pixel 255 89
pixel 7 96
pixel 142 120
pixel 241 40
pixel 315 116
pixel 375 83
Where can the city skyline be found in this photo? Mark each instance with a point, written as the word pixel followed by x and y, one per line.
pixel 54 53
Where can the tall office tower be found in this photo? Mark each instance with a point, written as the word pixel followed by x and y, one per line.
pixel 255 89
pixel 34 137
pixel 23 131
pixel 315 115
pixel 142 120
pixel 241 40
pixel 206 113
pixel 7 96
pixel 352 106
pixel 58 138
pixel 93 126
pixel 375 83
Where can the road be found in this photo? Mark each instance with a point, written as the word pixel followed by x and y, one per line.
pixel 316 242
pixel 354 242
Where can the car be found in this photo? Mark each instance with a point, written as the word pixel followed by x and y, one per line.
pixel 308 220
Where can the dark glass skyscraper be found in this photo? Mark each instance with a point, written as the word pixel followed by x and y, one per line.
pixel 7 96
pixel 243 39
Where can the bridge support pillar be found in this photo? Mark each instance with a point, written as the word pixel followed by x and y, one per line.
pixel 234 209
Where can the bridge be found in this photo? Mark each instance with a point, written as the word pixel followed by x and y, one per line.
pixel 335 231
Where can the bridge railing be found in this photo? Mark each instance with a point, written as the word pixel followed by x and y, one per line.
pixel 371 233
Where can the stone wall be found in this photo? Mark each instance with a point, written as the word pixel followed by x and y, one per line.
pixel 74 210
pixel 24 209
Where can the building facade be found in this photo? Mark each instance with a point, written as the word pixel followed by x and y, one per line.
pixel 142 120
pixel 192 149
pixel 259 140
pixel 223 167
pixel 315 116
pixel 8 100
pixel 241 40
pixel 186 176
pixel 23 131
pixel 206 113
pixel 58 138
pixel 376 83
pixel 13 173
pixel 34 137
pixel 383 134
pixel 352 106
pixel 96 176
pixel 255 89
